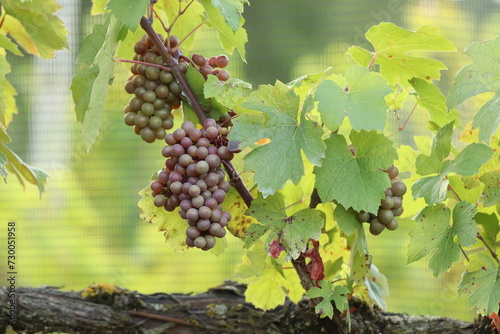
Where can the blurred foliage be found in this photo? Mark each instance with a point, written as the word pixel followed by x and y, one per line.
pixel 86 227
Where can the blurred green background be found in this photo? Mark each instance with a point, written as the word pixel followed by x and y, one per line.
pixel 86 229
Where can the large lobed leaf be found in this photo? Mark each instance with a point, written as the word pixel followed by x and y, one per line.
pixel 360 96
pixel 355 181
pixel 90 85
pixel 433 234
pixel 328 292
pixel 392 46
pixel 292 232
pixel 280 160
pixel 483 75
pixel 482 285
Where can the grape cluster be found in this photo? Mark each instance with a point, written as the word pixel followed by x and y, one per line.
pixel 390 207
pixel 194 180
pixel 156 92
pixel 213 65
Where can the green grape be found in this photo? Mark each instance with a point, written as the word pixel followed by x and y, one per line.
pixel 376 227
pixel 398 188
pixel 363 217
pixel 155 122
pixel 148 134
pixel 385 216
pixel 387 202
pixel 392 225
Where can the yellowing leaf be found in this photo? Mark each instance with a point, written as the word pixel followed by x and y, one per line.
pixel 392 46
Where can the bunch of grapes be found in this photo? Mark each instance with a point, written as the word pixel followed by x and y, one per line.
pixel 156 92
pixel 390 207
pixel 213 65
pixel 194 180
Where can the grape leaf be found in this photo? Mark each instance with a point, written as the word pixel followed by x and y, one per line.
pixel 173 226
pixel 338 295
pixel 227 92
pixel 16 166
pixel 268 291
pixel 280 160
pixel 491 192
pixel 98 7
pixel 90 85
pixel 4 69
pixel 490 226
pixel 355 181
pixel 361 99
pixel 482 285
pixel 483 75
pixel 434 234
pixel 292 232
pixel 7 44
pixel 441 145
pixel 430 98
pixel 128 12
pixel 392 45
pixel 348 224
pixel 467 162
pixel 254 262
pixel 231 10
pixel 45 30
pixel 228 37
pixel 376 284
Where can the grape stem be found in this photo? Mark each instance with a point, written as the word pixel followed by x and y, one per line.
pixel 402 127
pixel 176 70
pixel 492 252
pixel 120 60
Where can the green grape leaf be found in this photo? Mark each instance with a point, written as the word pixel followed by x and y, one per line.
pixel 171 223
pixel 7 44
pixel 294 232
pixel 90 85
pixel 469 160
pixel 430 98
pixel 329 293
pixel 355 181
pixel 376 284
pixel 254 262
pixel 392 45
pixel 441 146
pixel 4 69
pixel 229 37
pixel 434 234
pixel 396 99
pixel 483 75
pixel 361 99
pixel 23 171
pixel 280 160
pixel 348 224
pixel 227 92
pixel 231 10
pixel 432 188
pixel 482 285
pixel 491 192
pixel 44 30
pixel 128 12
pixel 197 82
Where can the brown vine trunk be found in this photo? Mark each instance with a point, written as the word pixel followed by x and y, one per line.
pixel 220 310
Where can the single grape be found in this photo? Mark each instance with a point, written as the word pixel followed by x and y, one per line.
pixel 202 184
pixel 162 91
pixel 385 216
pixel 170 140
pixel 210 242
pixel 166 77
pixel 138 80
pixel 217 230
pixel 205 212
pixel 192 232
pixel 363 217
pixel 129 118
pixel 200 242
pixel 140 47
pixel 202 152
pixel 212 179
pixel 376 227
pixel 185 160
pixel 174 88
pixel 388 192
pixel 189 242
pixel 398 212
pixel 211 61
pixel 224 153
pixel 148 134
pixel 198 201
pixel 185 205
pixel 192 215
pixel 398 188
pixel 179 134
pixel 129 87
pixel 167 124
pixel 160 200
pixel 191 150
pixel 387 202
pixel 398 202
pixel 216 213
pixel 211 203
pixel 194 190
pixel 157 186
pixel 163 176
pixel 213 161
pixel 199 60
pixel 223 75
pixel 152 73
pixel 392 225
pixel 225 186
pixel 203 224
pixel 176 187
pixel 393 172
pixel 187 142
pixel 206 70
pixel 211 132
pixel 155 122
pixel 177 150
pixel 203 142
pixel 194 135
pixel 219 195
pixel 221 61
pixel 173 41
pixel 202 167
